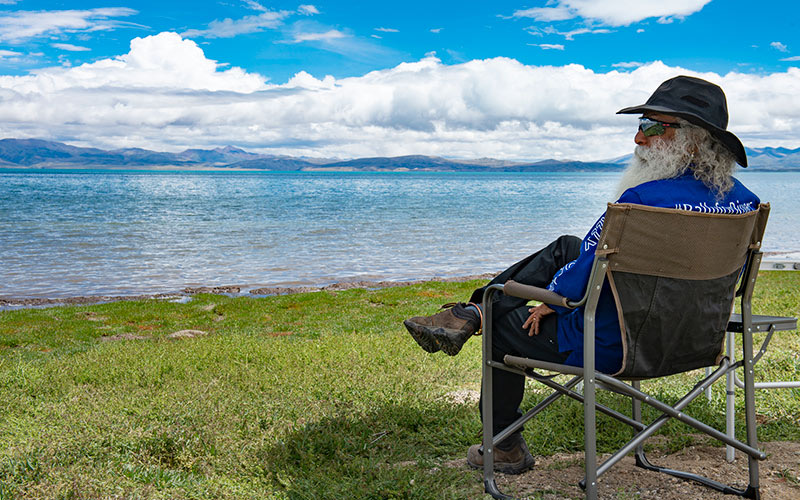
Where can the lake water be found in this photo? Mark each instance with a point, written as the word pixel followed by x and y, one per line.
pixel 74 233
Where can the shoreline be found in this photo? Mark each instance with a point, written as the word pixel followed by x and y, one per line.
pixel 185 295
pixel 774 261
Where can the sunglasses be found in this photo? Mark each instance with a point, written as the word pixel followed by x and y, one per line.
pixel 651 127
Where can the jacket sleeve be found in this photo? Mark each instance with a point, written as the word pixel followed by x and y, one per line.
pixel 570 281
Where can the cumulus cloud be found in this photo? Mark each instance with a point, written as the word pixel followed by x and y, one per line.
pixel 162 62
pixel 165 94
pixel 70 48
pixel 16 27
pixel 229 28
pixel 614 12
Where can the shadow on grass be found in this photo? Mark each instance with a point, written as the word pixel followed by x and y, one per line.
pixel 394 451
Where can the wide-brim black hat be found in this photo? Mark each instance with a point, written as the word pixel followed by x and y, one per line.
pixel 696 101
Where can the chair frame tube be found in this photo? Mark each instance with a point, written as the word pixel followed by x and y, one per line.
pixel 591 379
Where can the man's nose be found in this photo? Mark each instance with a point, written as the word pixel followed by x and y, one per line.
pixel 640 139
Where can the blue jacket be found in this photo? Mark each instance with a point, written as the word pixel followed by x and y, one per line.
pixel 685 193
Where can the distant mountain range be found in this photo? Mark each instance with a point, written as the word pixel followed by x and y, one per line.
pixel 37 153
pixel 770 159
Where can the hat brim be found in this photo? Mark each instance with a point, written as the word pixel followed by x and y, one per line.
pixel 728 139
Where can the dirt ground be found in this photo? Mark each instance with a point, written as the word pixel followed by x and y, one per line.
pixel 556 477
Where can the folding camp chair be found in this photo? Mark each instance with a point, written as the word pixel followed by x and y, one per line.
pixel 673 275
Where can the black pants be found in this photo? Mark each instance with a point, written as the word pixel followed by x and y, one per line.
pixel 508 336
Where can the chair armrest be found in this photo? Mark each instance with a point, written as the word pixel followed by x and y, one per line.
pixel 529 292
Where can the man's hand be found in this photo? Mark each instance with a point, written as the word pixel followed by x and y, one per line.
pixel 537 313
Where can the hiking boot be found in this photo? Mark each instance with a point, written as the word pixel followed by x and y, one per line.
pixel 514 461
pixel 447 330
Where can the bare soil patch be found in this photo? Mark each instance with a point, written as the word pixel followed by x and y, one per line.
pixel 556 477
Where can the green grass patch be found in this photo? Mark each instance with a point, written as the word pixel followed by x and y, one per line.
pixel 317 395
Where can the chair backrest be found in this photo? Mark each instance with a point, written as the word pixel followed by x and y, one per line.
pixel 673 274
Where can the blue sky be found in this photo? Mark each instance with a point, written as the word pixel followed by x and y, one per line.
pixel 522 80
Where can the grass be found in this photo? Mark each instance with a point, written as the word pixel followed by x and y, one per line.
pixel 317 395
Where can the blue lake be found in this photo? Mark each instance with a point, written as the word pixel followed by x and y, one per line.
pixel 71 233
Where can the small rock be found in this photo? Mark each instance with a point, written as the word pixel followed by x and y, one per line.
pixel 279 290
pixel 187 334
pixel 212 289
pixel 123 336
pixel 463 396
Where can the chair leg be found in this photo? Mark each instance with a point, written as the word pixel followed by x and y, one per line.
pixel 489 483
pixel 641 458
pixel 636 413
pixel 730 400
pixel 750 398
pixel 590 437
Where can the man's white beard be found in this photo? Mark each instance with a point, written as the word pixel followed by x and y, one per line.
pixel 663 160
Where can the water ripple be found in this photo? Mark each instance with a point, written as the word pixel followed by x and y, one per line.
pixel 93 233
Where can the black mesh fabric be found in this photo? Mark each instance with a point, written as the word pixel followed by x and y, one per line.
pixel 673 325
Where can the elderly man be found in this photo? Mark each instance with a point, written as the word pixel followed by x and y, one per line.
pixel 684 158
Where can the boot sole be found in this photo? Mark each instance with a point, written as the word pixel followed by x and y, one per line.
pixel 435 339
pixel 448 340
pixel 422 336
pixel 509 468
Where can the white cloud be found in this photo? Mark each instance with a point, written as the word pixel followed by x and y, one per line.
pixel 627 65
pixel 16 27
pixel 308 10
pixel 157 63
pixel 253 5
pixel 436 30
pixel 548 46
pixel 547 14
pixel 316 37
pixel 9 53
pixel 229 28
pixel 568 35
pixel 387 30
pixel 166 95
pixel 791 59
pixel 614 12
pixel 779 46
pixel 69 47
